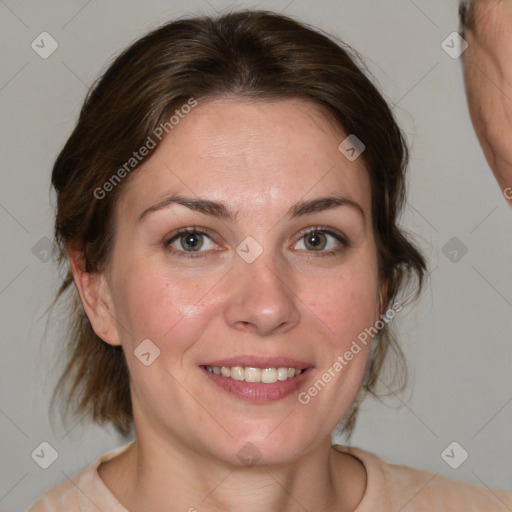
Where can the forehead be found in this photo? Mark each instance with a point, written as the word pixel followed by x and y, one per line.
pixel 262 154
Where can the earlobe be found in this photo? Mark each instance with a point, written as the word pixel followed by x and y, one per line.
pixel 95 297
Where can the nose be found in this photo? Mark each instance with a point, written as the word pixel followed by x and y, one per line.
pixel 262 299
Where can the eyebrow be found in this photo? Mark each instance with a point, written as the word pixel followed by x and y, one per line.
pixel 222 211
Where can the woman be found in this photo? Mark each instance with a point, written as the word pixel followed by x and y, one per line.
pixel 228 203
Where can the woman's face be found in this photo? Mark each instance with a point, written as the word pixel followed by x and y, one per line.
pixel 249 289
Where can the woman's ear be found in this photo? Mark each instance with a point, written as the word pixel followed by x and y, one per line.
pixel 96 298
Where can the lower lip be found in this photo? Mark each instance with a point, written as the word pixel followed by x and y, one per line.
pixel 259 391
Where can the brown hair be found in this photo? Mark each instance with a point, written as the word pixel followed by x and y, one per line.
pixel 466 14
pixel 248 54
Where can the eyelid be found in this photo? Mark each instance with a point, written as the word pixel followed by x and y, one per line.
pixel 190 229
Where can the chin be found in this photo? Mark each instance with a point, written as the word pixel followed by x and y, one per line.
pixel 273 447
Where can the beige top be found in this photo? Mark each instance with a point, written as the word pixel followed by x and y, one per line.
pixel 390 488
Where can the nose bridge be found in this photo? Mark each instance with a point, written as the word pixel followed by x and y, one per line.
pixel 262 297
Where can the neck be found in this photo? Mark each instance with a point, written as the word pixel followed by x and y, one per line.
pixel 158 474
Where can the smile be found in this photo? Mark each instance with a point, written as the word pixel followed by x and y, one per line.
pixel 250 374
pixel 262 385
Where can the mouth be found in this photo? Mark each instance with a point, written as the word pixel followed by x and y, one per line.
pixel 267 375
pixel 257 379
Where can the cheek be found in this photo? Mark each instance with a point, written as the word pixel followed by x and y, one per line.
pixel 346 305
pixel 349 310
pixel 152 303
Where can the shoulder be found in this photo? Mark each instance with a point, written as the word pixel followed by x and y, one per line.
pixel 60 497
pixel 402 487
pixel 82 487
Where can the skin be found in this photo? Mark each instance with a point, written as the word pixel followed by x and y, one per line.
pixel 488 80
pixel 258 158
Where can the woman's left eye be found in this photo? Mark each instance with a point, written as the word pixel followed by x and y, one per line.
pixel 317 240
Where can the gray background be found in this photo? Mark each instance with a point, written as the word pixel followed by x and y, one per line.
pixel 456 338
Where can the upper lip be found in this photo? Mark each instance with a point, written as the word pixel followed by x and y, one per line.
pixel 259 362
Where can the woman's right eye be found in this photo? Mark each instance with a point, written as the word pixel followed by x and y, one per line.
pixel 188 241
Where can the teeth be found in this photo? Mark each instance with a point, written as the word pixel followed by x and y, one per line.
pixel 282 373
pixel 269 375
pixel 225 371
pixel 237 373
pixel 251 374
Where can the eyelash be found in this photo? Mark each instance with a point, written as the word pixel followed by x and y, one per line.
pixel 316 229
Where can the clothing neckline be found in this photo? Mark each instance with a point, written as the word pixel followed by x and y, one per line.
pixel 91 481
